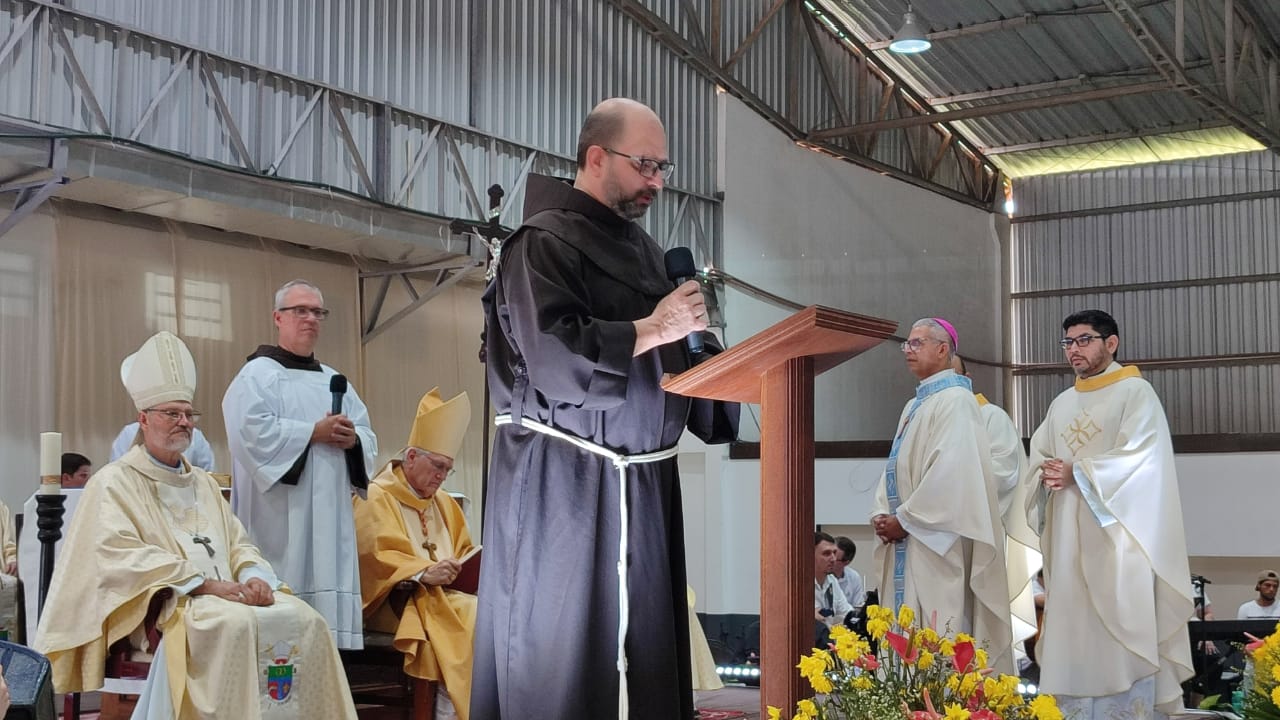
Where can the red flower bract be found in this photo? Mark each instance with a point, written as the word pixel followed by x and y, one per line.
pixel 902 646
pixel 964 656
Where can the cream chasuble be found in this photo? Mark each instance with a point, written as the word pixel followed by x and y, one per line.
pixel 1022 546
pixel 144 528
pixel 1117 583
pixel 436 629
pixel 955 564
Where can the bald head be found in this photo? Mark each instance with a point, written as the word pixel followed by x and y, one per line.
pixel 621 151
pixel 608 122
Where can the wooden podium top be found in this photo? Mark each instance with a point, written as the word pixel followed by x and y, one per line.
pixel 827 335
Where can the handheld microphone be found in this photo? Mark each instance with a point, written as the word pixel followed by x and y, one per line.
pixel 680 268
pixel 338 386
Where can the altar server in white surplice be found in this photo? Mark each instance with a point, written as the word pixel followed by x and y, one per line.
pixel 296 464
pixel 154 531
pixel 936 513
pixel 1104 497
pixel 1022 545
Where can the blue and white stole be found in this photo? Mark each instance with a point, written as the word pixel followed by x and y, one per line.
pixel 923 390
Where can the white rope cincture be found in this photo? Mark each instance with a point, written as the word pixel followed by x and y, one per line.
pixel 621 462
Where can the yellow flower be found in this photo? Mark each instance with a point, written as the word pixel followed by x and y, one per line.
pixel 926 637
pixel 879 612
pixel 862 682
pixel 947 648
pixel 1275 695
pixel 814 668
pixel 955 712
pixel 980 656
pixel 1044 707
pixel 953 684
pixel 906 616
pixel 969 683
pixel 926 660
pixel 775 713
pixel 807 708
pixel 1275 673
pixel 877 628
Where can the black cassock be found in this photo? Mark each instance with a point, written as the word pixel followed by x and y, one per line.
pixel 559 339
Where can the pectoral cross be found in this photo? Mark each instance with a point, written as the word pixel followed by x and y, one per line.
pixel 202 540
pixel 430 547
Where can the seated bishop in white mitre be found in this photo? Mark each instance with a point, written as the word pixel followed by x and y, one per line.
pixel 234 643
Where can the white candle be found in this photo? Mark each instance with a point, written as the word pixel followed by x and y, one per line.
pixel 51 454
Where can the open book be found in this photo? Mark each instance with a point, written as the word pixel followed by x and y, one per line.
pixel 469 576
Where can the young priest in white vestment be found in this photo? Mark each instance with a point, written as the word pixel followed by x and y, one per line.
pixel 1104 497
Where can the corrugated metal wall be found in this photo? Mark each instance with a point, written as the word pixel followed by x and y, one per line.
pixel 505 79
pixel 1185 256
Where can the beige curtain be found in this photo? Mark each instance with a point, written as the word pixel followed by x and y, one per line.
pixel 123 277
pixel 436 345
pixel 26 354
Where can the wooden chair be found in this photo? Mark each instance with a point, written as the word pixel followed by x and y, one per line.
pixel 415 695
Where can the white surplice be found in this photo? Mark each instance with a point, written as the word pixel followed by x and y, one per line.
pixel 955 543
pixel 305 531
pixel 1117 582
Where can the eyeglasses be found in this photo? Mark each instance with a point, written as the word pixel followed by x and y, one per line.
pixel 914 344
pixel 176 415
pixel 1081 341
pixel 302 312
pixel 647 167
pixel 440 467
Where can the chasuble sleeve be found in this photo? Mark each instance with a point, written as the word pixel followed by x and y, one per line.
pixel 387 555
pixel 117 554
pixel 951 492
pixel 267 444
pixel 572 356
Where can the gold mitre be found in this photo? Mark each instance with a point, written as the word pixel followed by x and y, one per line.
pixel 161 371
pixel 440 426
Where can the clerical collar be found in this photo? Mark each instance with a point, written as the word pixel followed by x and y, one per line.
pixel 156 461
pixel 543 192
pixel 1114 373
pixel 291 361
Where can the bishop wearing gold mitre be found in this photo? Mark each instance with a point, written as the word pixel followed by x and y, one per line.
pixel 152 527
pixel 409 531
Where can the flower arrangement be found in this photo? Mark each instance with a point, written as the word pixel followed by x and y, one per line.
pixel 916 674
pixel 1262 700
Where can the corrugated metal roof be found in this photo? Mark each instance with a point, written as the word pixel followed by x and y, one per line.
pixel 1080 45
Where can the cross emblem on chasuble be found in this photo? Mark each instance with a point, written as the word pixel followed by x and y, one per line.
pixel 1080 431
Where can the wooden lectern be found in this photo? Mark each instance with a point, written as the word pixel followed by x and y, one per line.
pixel 775 368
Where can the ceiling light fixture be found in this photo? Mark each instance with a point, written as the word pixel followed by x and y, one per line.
pixel 910 38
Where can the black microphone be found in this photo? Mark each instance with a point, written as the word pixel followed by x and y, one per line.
pixel 680 268
pixel 338 386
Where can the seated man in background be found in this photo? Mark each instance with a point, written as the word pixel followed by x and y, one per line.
pixel 830 606
pixel 155 533
pixel 1265 605
pixel 408 531
pixel 76 470
pixel 850 580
